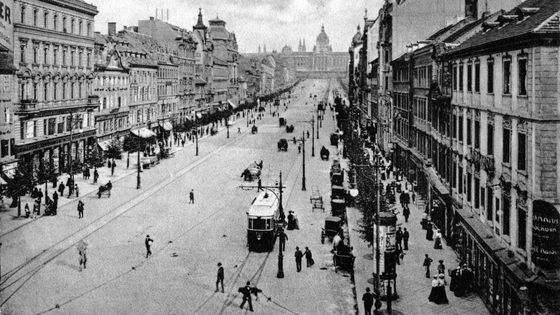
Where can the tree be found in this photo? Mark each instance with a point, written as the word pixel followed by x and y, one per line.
pixel 114 149
pixel 46 172
pixel 21 183
pixel 95 158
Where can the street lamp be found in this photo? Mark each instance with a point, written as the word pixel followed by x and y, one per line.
pixel 139 166
pixel 312 122
pixel 227 126
pixel 196 133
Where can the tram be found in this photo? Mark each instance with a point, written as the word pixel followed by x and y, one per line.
pixel 262 220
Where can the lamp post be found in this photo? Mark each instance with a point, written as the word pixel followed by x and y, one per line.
pixel 303 161
pixel 227 126
pixel 139 166
pixel 196 133
pixel 312 122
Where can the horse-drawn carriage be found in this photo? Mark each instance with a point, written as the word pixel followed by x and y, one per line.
pixel 282 145
pixel 252 172
pixel 334 139
pixel 282 121
pixel 324 154
pixel 105 189
pixel 254 129
pixel 343 259
pixel 290 128
pixel 333 226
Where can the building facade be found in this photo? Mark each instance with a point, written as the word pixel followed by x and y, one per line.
pixel 54 119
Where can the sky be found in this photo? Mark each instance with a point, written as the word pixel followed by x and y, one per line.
pixel 273 23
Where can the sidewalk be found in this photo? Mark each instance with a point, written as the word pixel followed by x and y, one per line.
pixel 9 221
pixel 412 286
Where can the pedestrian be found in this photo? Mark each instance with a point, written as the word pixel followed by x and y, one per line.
pixel 282 238
pixel 405 237
pixel 441 269
pixel 61 188
pixel 238 130
pixel 246 291
pixel 220 277
pixel 27 211
pixel 399 236
pixel 299 148
pixel 183 142
pixel 259 185
pixel 82 248
pixel 80 209
pixel 148 242
pixel 113 165
pixel 308 257
pixel 77 189
pixel 437 243
pixel 368 301
pixel 40 194
pixel 307 134
pixel 87 173
pixel 337 240
pixel 413 196
pixel 191 196
pixel 406 213
pixel 426 264
pixel 298 255
pixel 429 232
pixel 95 176
pixel 454 274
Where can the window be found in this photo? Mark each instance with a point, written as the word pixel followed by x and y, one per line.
pixel 454 77
pixel 72 85
pixel 51 126
pixel 80 58
pixel 35 54
pixel 522 73
pixel 521 151
pixel 119 102
pixel 460 128
pixel 64 24
pixel 506 146
pixel 55 88
pixel 469 132
pixel 68 123
pixel 64 56
pixel 35 87
pixel 469 77
pixel 506 204
pixel 22 53
pixel 482 196
pixel 45 19
pixel 507 75
pixel 55 56
pixel 477 76
pixel 35 17
pixel 460 77
pixel 460 180
pixel 469 186
pixel 522 226
pixel 89 29
pixel 80 87
pixel 64 90
pixel 88 59
pixel 454 126
pixel 72 23
pixel 72 53
pixel 45 54
pixel 22 14
pixel 60 125
pixel 477 134
pixel 490 73
pixel 55 22
pixel 489 200
pixel 80 27
pixel 476 193
pixel 46 91
pixel 104 104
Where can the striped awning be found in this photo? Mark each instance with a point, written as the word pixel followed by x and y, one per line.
pixel 143 133
pixel 167 126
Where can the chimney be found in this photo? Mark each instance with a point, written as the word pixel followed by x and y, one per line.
pixel 112 28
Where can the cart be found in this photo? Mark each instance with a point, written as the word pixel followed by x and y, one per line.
pixel 343 259
pixel 316 199
pixel 282 145
pixel 333 226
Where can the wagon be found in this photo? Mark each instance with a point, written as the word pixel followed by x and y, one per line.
pixel 104 190
pixel 252 172
pixel 338 207
pixel 334 139
pixel 290 128
pixel 333 226
pixel 343 259
pixel 282 121
pixel 282 145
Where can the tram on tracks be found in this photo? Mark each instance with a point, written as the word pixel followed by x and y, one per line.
pixel 263 219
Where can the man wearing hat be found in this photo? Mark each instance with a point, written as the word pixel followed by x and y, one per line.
pixel 220 277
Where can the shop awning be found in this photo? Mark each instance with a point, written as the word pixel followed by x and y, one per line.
pixel 167 126
pixel 436 182
pixel 143 133
pixel 198 115
pixel 234 106
pixel 104 145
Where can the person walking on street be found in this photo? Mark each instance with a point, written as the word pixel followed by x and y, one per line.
pixel 80 209
pixel 441 269
pixel 61 189
pixel 405 238
pixel 220 277
pixel 77 189
pixel 399 236
pixel 40 194
pixel 148 242
pixel 406 213
pixel 95 176
pixel 113 165
pixel 368 301
pixel 437 243
pixel 191 196
pixel 308 257
pixel 246 291
pixel 283 238
pixel 82 247
pixel 426 264
pixel 298 255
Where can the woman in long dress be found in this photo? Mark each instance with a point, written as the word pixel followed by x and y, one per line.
pixel 429 232
pixel 442 296
pixel 433 293
pixel 437 243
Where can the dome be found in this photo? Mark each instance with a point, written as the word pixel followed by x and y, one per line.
pixel 323 37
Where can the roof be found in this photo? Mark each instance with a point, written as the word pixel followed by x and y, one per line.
pixel 528 19
pixel 266 204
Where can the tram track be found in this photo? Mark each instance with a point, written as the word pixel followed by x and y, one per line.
pixel 33 265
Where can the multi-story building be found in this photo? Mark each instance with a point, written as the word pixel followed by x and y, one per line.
pixel 504 139
pixel 221 60
pixel 8 91
pixel 112 85
pixel 143 79
pixel 54 119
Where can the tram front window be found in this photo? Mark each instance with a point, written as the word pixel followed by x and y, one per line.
pixel 259 224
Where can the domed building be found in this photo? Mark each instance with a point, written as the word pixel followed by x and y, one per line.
pixel 322 62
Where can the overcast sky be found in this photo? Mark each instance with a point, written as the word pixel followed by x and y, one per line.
pixel 273 23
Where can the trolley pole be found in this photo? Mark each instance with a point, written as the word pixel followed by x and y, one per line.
pixel 303 162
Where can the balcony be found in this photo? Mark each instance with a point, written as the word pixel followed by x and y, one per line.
pixel 27 107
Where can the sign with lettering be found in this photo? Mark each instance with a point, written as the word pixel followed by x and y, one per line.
pixel 6 23
pixel 546 235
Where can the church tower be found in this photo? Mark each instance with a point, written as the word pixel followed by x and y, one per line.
pixel 304 49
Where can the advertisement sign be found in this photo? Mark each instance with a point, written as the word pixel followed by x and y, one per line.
pixel 546 235
pixel 6 23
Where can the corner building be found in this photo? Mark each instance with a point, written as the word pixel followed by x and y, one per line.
pixel 54 44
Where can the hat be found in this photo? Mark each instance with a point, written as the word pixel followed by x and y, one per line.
pixel 441 276
pixel 441 260
pixel 219 264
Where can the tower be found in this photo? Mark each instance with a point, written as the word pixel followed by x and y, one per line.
pixel 303 47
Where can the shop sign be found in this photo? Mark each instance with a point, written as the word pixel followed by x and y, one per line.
pixel 546 235
pixel 6 23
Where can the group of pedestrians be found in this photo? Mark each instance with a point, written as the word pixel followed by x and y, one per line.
pixel 308 258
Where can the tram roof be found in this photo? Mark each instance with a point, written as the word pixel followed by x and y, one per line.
pixel 266 204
